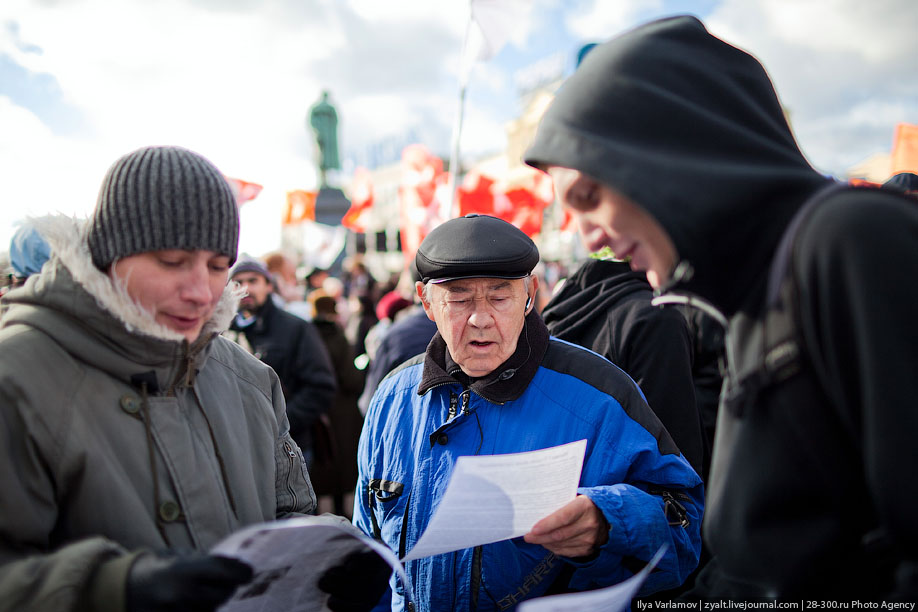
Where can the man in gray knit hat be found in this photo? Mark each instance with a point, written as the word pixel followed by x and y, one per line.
pixel 127 424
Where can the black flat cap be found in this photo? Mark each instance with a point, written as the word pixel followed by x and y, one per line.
pixel 475 246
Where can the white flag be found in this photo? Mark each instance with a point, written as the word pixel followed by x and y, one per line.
pixel 497 21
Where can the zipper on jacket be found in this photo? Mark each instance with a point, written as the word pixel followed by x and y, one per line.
pixel 291 455
pixel 402 536
pixel 465 400
pixel 675 513
pixel 453 402
pixel 401 545
pixel 475 581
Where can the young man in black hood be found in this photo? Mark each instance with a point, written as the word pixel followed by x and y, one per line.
pixel 670 146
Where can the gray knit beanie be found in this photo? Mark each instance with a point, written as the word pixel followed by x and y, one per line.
pixel 159 198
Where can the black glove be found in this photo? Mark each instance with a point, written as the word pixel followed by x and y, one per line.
pixel 357 582
pixel 193 583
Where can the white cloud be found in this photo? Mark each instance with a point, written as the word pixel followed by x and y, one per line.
pixel 41 173
pixel 600 19
pixel 843 68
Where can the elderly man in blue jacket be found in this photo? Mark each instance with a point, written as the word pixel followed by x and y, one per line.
pixel 492 382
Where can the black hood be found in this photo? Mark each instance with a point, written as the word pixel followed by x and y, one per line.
pixel 689 128
pixel 586 297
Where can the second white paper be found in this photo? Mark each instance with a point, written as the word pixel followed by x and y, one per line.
pixel 491 498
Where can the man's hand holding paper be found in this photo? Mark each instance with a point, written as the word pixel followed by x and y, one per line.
pixel 576 530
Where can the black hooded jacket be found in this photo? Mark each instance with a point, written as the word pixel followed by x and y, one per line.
pixel 605 306
pixel 811 489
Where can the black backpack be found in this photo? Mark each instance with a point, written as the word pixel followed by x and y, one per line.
pixel 772 346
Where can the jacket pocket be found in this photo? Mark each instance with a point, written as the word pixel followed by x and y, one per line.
pixel 379 493
pixel 292 486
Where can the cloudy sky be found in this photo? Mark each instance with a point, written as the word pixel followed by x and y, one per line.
pixel 84 81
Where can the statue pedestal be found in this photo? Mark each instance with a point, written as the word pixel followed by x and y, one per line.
pixel 331 205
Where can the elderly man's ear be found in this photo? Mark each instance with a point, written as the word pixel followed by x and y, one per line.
pixel 533 290
pixel 419 287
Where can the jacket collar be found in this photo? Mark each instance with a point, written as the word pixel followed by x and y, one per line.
pixel 507 382
pixel 93 317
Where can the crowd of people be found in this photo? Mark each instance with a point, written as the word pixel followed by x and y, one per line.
pixel 740 369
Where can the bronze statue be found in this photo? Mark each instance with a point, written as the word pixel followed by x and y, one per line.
pixel 324 122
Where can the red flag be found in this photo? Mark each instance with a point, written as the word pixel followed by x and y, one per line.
pixel 521 202
pixel 301 206
pixel 527 210
pixel 361 201
pixel 475 195
pixel 243 190
pixel 904 156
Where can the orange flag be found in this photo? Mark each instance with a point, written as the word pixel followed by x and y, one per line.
pixel 301 206
pixel 905 149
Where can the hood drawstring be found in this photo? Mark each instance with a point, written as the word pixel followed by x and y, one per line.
pixel 189 370
pixel 148 428
pixel 184 376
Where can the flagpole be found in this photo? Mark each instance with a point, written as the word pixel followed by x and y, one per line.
pixel 465 69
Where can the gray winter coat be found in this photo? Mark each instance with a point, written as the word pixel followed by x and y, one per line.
pixel 117 435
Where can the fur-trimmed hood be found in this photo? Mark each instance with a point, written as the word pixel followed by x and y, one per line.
pixel 92 316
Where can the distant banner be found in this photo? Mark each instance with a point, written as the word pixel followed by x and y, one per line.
pixel 300 206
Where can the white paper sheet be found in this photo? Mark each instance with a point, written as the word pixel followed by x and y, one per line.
pixel 491 498
pixel 615 598
pixel 288 557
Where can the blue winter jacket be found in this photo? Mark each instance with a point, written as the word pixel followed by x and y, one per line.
pixel 548 393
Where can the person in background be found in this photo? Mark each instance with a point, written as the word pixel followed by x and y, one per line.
pixel 314 279
pixel 335 477
pixel 293 349
pixel 361 319
pixel 670 146
pixel 903 182
pixel 283 273
pixel 492 381
pixel 287 293
pixel 28 253
pixel 389 307
pixel 133 437
pixel 357 278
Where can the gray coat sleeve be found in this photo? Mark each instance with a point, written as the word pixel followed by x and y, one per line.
pixel 87 575
pixel 69 578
